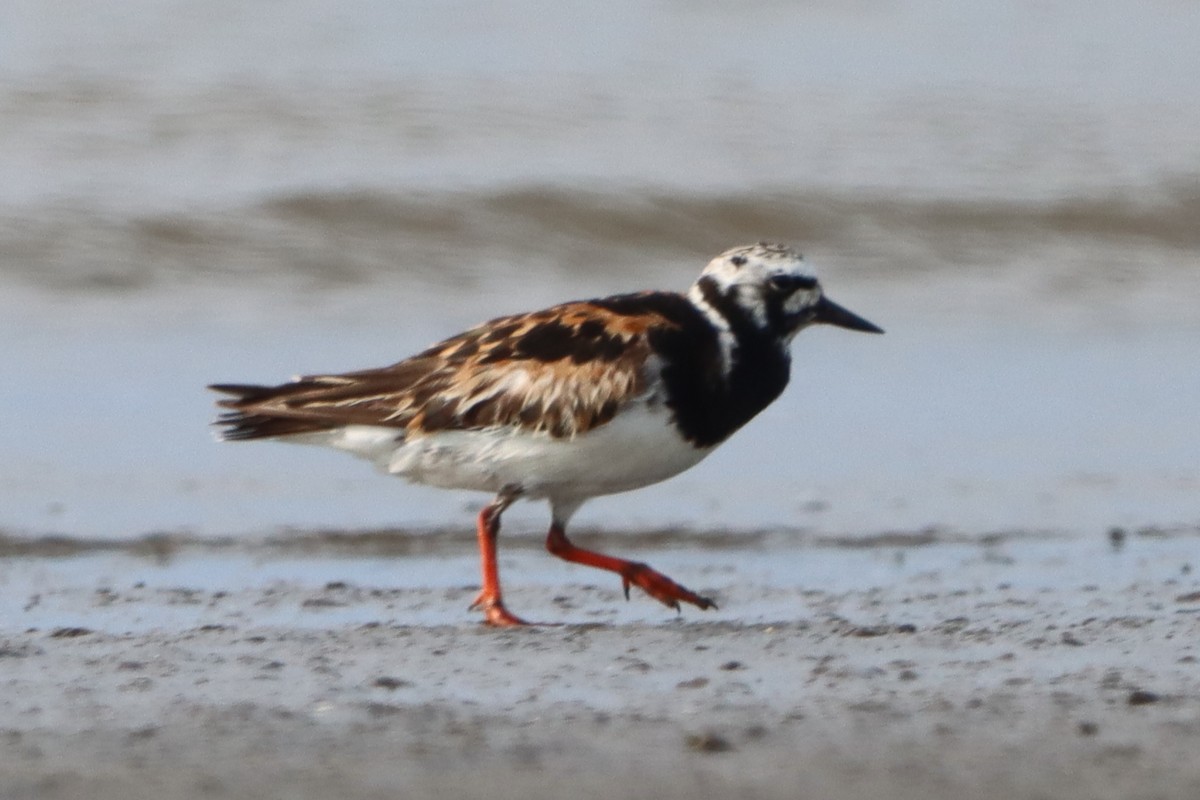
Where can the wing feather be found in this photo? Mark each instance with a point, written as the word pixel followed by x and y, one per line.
pixel 562 371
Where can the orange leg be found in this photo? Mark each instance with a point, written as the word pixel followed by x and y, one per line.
pixel 487 529
pixel 634 573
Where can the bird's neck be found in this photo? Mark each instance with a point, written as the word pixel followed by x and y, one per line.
pixel 738 374
pixel 745 332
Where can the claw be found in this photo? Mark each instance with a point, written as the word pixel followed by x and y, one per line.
pixel 662 588
pixel 494 612
pixel 500 617
pixel 625 587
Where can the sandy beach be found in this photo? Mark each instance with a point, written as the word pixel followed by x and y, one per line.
pixel 1007 668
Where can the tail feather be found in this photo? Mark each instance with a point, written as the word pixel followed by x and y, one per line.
pixel 245 393
pixel 246 421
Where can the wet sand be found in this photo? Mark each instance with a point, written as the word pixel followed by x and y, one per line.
pixel 901 666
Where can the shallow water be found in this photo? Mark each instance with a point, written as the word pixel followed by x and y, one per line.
pixel 227 195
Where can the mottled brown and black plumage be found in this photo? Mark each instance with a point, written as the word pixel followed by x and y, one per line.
pixel 562 371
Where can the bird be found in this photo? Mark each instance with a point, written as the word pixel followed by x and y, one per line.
pixel 576 401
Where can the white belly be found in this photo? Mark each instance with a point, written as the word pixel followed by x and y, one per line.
pixel 637 448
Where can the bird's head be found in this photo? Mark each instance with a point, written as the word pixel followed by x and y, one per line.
pixel 770 288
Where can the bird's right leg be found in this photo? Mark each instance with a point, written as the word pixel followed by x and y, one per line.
pixel 487 528
pixel 633 573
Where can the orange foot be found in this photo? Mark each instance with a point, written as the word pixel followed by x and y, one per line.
pixel 494 612
pixel 660 587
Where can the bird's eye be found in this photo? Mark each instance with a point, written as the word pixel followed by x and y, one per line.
pixel 790 283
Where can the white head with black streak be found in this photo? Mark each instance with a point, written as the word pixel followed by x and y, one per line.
pixel 768 288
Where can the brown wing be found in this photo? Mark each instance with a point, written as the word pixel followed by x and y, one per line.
pixel 562 371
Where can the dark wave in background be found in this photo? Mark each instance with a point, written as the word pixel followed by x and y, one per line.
pixel 324 239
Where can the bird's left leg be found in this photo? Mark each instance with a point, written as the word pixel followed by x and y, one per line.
pixel 488 529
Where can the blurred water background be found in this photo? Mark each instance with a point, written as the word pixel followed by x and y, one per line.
pixel 241 191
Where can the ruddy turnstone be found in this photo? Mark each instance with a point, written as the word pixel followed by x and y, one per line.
pixel 582 399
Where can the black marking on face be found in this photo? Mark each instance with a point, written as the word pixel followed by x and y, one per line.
pixel 738 261
pixel 786 284
pixel 780 289
pixel 776 315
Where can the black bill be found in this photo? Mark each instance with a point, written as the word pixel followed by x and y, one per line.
pixel 830 313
